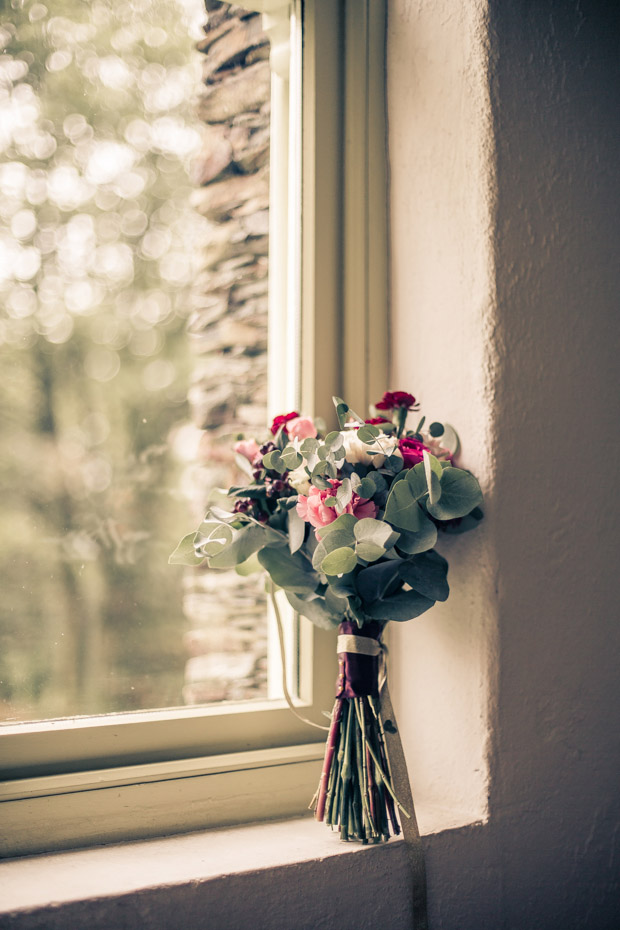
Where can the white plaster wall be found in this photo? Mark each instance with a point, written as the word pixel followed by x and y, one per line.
pixel 505 284
pixel 441 161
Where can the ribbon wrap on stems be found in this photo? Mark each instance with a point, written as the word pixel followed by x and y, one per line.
pixel 364 777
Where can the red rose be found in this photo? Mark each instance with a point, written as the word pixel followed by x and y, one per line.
pixel 393 399
pixel 281 421
pixel 377 421
pixel 412 451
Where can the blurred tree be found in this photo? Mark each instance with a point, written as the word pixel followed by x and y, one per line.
pixel 97 256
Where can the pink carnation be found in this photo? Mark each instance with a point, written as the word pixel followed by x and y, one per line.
pixel 249 448
pixel 412 451
pixel 313 509
pixel 301 428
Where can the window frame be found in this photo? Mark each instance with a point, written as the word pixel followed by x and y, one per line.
pixel 71 782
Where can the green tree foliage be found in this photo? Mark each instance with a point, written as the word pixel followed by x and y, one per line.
pixel 97 254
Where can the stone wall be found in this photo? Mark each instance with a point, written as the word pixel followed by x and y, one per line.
pixel 227 643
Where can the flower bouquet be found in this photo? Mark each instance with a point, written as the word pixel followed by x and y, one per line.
pixel 345 522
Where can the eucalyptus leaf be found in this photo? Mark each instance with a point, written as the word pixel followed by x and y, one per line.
pixel 433 472
pixel 416 479
pixel 376 531
pixel 343 409
pixel 339 562
pixel 224 516
pixel 355 607
pixel 335 604
pixel 250 567
pixel 289 571
pixel 315 610
pixel 296 530
pixel 274 462
pixel 212 537
pixel 373 582
pixel 344 493
pixel 369 551
pixel 379 482
pixel 244 464
pixel 464 524
pixel 424 538
pixel 395 463
pixel 402 509
pixel 185 553
pixel 427 574
pixel 291 458
pixel 345 521
pixel 406 605
pixel 245 541
pixel 366 488
pixel 334 440
pixel 460 493
pixel 309 445
pixel 368 434
pixel 342 586
pixel 337 539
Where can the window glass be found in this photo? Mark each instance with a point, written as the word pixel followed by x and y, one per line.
pixel 133 265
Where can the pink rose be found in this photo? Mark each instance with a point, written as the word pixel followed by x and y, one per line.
pixel 301 428
pixel 248 448
pixel 412 451
pixel 313 509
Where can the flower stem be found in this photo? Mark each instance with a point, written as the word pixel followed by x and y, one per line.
pixel 332 739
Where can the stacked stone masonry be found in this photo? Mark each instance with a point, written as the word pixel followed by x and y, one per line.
pixel 227 642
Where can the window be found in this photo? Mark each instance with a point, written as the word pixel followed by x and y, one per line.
pixel 182 769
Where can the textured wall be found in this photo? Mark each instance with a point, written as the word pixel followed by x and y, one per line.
pixel 227 642
pixel 518 345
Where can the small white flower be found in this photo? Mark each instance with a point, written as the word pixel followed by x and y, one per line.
pixel 357 452
pixel 298 478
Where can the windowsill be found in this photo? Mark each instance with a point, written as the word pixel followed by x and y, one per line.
pixel 272 875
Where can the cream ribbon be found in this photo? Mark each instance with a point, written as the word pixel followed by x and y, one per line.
pixel 362 645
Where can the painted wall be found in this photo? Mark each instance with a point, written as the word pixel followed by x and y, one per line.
pixel 504 153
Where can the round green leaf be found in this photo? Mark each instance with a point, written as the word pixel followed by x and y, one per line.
pixel 460 493
pixel 339 562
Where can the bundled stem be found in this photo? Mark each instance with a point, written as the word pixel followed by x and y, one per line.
pixel 355 792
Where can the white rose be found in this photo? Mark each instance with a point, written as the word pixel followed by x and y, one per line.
pixel 357 452
pixel 298 478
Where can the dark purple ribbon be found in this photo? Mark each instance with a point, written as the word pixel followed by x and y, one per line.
pixel 358 675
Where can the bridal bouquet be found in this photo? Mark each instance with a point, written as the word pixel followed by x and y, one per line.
pixel 345 522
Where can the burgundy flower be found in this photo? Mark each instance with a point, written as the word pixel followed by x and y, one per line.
pixel 412 451
pixel 393 399
pixel 377 421
pixel 282 420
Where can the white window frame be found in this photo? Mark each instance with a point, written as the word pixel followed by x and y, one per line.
pixel 87 781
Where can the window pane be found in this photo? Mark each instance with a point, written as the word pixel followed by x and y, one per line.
pixel 125 224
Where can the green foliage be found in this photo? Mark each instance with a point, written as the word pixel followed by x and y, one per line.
pixel 406 605
pixel 373 539
pixel 185 552
pixel 381 568
pixel 339 561
pixel 460 493
pixel 427 574
pixel 288 571
pixel 317 610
